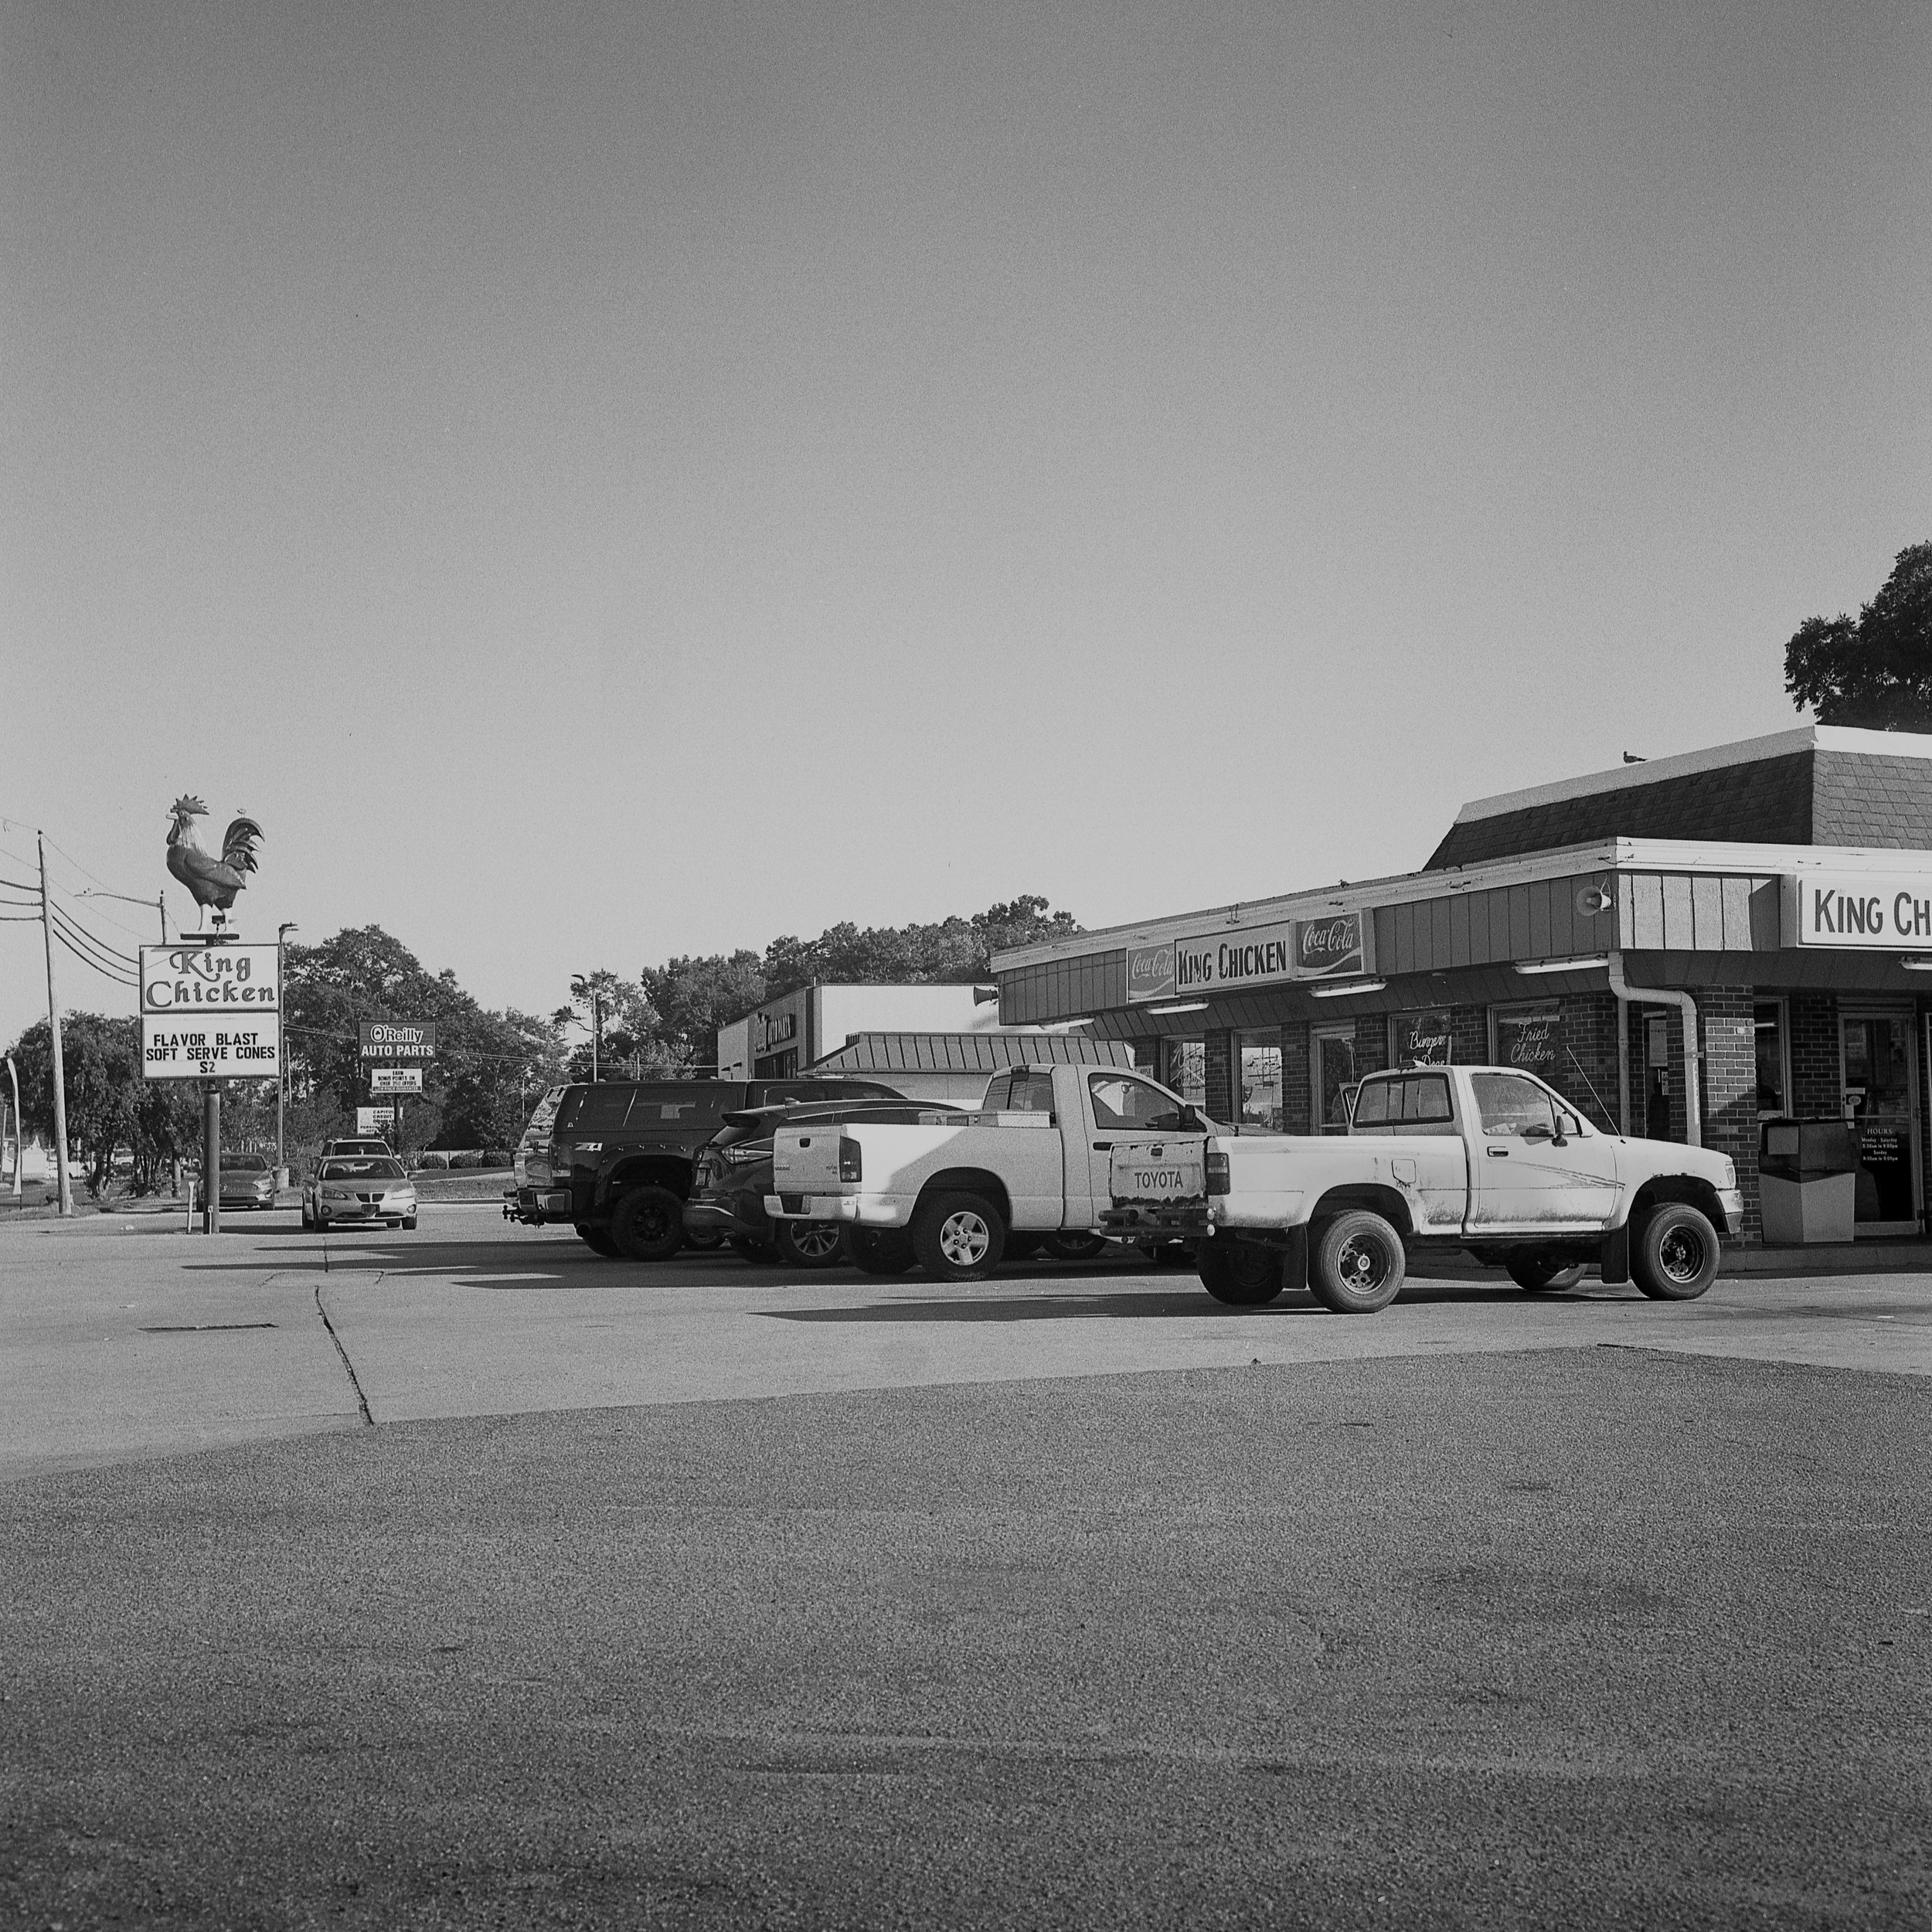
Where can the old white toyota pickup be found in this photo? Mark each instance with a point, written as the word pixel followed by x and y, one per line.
pixel 1485 1158
pixel 1074 1155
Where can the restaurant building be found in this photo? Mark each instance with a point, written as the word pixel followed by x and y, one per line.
pixel 1683 948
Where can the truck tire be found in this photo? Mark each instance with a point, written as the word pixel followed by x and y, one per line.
pixel 958 1237
pixel 759 1254
pixel 1357 1264
pixel 1543 1273
pixel 648 1225
pixel 880 1250
pixel 598 1240
pixel 1243 1274
pixel 811 1244
pixel 1076 1247
pixel 1674 1255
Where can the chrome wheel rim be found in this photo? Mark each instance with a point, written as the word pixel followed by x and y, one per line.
pixel 1362 1266
pixel 816 1240
pixel 963 1239
pixel 1681 1255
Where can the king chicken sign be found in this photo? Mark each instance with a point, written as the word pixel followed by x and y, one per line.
pixel 1870 912
pixel 1236 958
pixel 210 1012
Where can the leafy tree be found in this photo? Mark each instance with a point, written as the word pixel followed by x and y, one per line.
pixel 1876 671
pixel 109 1105
pixel 694 996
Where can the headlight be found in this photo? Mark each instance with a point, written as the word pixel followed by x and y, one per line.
pixel 337 1194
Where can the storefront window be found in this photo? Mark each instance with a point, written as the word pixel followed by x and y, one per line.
pixel 1419 1039
pixel 1261 1084
pixel 1184 1070
pixel 1334 1080
pixel 1772 1088
pixel 1531 1037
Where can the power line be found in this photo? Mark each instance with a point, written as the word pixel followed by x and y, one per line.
pixel 94 939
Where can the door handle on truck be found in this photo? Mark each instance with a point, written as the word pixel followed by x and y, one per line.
pixel 1104 1146
pixel 1497 1153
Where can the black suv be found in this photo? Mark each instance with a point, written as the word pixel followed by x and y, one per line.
pixel 734 1176
pixel 618 1166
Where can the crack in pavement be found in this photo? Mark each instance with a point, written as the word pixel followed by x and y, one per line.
pixel 361 1400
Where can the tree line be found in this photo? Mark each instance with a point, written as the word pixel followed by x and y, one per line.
pixel 490 1068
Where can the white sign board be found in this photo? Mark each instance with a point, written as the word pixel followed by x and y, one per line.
pixel 180 1046
pixel 210 1012
pixel 1232 959
pixel 369 1119
pixel 233 981
pixel 396 1079
pixel 1868 912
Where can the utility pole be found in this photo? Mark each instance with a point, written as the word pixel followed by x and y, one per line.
pixel 66 1180
pixel 281 1056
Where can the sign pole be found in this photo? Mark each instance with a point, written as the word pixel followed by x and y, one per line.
pixel 211 1157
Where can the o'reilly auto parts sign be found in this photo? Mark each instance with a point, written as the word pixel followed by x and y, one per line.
pixel 1236 958
pixel 397 1042
pixel 1871 912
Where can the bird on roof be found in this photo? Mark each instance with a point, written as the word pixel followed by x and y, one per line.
pixel 211 882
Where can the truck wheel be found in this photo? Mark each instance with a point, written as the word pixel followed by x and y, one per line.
pixel 880 1250
pixel 1244 1274
pixel 811 1244
pixel 958 1237
pixel 760 1254
pixel 1076 1247
pixel 1543 1273
pixel 648 1225
pixel 598 1240
pixel 1357 1263
pixel 1674 1257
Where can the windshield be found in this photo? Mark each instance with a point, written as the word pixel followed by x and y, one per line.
pixel 244 1164
pixel 369 1167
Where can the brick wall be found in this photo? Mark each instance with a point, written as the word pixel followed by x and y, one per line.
pixel 1729 1087
pixel 1220 1076
pixel 1295 1076
pixel 1817 1089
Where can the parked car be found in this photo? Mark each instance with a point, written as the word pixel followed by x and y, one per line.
pixel 616 1165
pixel 732 1175
pixel 247 1181
pixel 352 1145
pixel 360 1188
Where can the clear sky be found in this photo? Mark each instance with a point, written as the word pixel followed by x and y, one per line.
pixel 603 482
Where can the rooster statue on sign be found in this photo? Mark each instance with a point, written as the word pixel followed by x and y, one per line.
pixel 212 882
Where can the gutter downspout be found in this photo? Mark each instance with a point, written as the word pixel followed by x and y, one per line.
pixel 1663 996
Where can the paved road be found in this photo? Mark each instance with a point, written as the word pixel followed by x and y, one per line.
pixel 695 1596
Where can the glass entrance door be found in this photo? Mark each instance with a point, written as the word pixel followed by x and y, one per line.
pixel 1879 1078
pixel 1334 1075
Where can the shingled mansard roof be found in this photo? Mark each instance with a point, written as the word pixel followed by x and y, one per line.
pixel 1818 785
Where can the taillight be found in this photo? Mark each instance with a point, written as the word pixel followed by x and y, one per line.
pixel 852 1164
pixel 1217 1174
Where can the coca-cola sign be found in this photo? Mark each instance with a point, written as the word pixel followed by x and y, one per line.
pixel 1327 948
pixel 1150 972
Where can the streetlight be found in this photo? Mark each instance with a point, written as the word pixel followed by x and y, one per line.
pixel 159 903
pixel 281 1054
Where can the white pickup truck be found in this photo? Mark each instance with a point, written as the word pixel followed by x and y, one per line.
pixel 1485 1158
pixel 1073 1156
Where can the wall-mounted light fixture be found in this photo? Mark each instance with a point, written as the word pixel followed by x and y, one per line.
pixel 1182 1006
pixel 1529 967
pixel 1354 986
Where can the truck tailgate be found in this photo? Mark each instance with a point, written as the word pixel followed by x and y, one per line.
pixel 805 1160
pixel 1156 1172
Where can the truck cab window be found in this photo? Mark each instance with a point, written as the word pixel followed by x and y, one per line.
pixel 1508 1104
pixel 1121 1101
pixel 1413 1100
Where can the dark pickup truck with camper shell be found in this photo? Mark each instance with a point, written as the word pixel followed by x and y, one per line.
pixel 618 1161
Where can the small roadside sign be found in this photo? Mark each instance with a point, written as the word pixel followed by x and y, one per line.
pixel 369 1119
pixel 396 1079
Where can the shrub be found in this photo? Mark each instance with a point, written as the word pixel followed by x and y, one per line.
pixel 430 1158
pixel 496 1157
pixel 469 1159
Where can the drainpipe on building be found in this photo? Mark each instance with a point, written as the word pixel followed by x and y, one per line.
pixel 1660 996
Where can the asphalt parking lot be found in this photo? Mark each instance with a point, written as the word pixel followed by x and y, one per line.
pixel 461 1578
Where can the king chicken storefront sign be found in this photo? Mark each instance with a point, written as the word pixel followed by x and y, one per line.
pixel 210 1012
pixel 1234 959
pixel 1872 912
